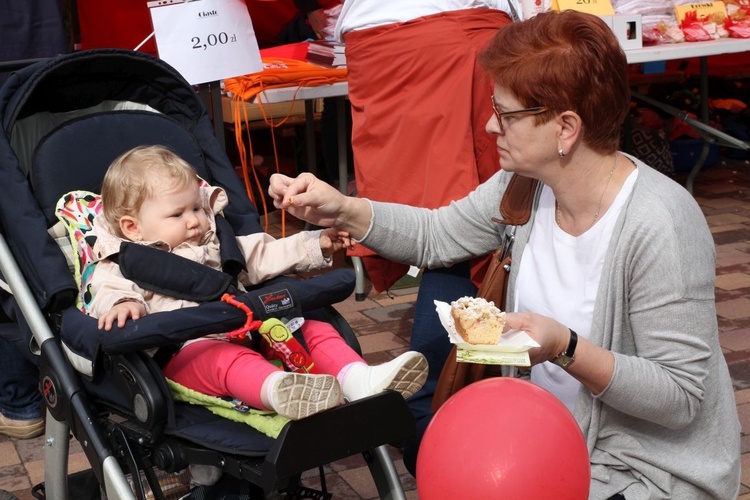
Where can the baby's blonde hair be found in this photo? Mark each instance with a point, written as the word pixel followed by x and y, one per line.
pixel 130 180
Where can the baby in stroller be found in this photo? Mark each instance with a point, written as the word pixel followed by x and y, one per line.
pixel 151 196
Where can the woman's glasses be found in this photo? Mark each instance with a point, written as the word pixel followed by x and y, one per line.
pixel 502 117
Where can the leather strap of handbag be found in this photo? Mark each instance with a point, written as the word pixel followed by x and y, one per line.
pixel 515 210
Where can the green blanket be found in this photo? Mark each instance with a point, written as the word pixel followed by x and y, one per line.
pixel 268 422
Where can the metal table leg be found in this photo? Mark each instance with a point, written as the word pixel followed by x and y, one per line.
pixel 312 166
pixel 709 134
pixel 359 288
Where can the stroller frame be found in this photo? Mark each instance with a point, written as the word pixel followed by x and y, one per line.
pixel 57 432
pixel 147 436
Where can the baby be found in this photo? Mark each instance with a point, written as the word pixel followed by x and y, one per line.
pixel 151 196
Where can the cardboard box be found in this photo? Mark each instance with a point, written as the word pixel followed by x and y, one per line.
pixel 628 29
pixel 277 111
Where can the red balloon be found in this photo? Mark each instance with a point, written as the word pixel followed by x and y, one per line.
pixel 503 438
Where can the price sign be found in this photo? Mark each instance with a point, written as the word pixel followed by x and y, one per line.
pixel 596 7
pixel 206 40
pixel 702 10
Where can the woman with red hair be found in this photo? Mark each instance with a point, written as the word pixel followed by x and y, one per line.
pixel 613 275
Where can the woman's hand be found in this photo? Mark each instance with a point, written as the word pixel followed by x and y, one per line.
pixel 323 21
pixel 552 336
pixel 312 200
pixel 120 313
pixel 593 365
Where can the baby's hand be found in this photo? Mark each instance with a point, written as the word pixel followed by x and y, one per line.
pixel 120 313
pixel 333 240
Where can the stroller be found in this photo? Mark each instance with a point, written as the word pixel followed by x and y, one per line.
pixel 64 120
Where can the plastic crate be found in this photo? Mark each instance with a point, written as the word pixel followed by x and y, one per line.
pixel 685 152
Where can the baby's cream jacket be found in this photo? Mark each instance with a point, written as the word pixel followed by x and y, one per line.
pixel 265 258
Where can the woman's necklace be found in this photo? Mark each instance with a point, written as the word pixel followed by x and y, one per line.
pixel 601 198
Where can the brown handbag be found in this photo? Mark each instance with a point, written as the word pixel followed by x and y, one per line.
pixel 515 210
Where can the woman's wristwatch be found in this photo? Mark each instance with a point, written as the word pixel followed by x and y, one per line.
pixel 566 358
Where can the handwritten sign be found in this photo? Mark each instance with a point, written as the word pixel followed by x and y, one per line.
pixel 206 40
pixel 596 7
pixel 702 9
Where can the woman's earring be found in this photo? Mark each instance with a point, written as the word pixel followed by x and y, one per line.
pixel 561 152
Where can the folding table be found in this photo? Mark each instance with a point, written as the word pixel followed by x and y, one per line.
pixel 686 50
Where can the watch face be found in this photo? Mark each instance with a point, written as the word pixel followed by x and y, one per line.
pixel 562 360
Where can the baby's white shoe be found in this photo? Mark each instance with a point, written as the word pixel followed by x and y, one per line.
pixel 405 374
pixel 299 395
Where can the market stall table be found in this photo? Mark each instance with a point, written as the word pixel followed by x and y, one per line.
pixel 687 50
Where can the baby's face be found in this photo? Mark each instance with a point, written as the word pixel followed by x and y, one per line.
pixel 174 216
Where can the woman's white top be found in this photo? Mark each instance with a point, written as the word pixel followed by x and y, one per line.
pixel 360 14
pixel 559 277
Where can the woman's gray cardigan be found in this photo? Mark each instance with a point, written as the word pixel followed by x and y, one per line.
pixel 666 426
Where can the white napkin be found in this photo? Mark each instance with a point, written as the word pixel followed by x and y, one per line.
pixel 510 341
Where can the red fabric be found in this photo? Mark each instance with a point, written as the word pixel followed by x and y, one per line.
pixel 418 127
pixel 269 18
pixel 121 24
pixel 289 51
pixel 722 65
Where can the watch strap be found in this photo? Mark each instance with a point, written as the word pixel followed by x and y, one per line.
pixel 565 358
pixel 571 350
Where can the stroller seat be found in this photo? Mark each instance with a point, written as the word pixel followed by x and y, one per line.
pixel 65 120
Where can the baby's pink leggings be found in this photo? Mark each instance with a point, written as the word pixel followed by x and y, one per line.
pixel 220 368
